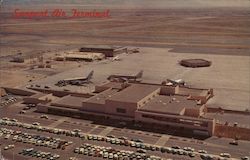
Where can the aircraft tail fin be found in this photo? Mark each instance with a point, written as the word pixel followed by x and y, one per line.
pixel 171 81
pixel 139 75
pixel 90 75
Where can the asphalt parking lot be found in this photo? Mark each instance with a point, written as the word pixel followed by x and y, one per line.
pixel 213 145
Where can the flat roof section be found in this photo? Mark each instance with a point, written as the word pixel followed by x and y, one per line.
pixel 38 95
pixel 100 98
pixel 102 46
pixel 193 91
pixel 110 84
pixel 48 97
pixel 128 73
pixel 134 93
pixel 69 102
pixel 169 105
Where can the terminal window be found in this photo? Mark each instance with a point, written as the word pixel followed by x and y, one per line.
pixel 120 110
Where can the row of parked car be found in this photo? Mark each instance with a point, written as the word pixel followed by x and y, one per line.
pixel 28 107
pixel 39 154
pixel 7 100
pixel 111 153
pixel 34 139
pixel 10 146
pixel 5 132
pixel 137 143
pixel 143 147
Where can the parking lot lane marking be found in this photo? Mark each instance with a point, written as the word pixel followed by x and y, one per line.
pixel 106 131
pixel 162 140
pixel 93 129
pixel 27 116
pixel 59 121
pixel 215 145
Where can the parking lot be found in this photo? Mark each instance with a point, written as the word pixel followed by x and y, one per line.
pixel 8 100
pixel 43 133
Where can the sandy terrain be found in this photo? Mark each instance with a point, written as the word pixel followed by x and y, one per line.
pixel 228 75
pixel 184 30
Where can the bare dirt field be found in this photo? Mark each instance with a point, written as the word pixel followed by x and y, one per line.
pixel 205 30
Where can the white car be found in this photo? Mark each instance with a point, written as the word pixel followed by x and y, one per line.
pixel 44 116
pixel 7 136
pixel 202 151
pixel 226 155
pixel 9 146
pixel 22 112
pixel 6 119
pixel 36 124
pixel 188 149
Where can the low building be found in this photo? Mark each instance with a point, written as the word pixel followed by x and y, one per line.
pixel 78 56
pixel 84 57
pixel 40 98
pixel 139 102
pixel 108 51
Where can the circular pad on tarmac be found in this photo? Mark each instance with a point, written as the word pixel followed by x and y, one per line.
pixel 195 63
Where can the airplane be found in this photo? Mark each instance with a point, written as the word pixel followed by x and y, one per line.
pixel 176 82
pixel 126 77
pixel 75 81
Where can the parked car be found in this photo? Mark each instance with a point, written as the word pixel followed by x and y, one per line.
pixel 234 142
pixel 226 155
pixel 245 158
pixel 44 116
pixel 22 112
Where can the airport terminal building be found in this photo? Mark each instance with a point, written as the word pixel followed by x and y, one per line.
pixel 156 104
